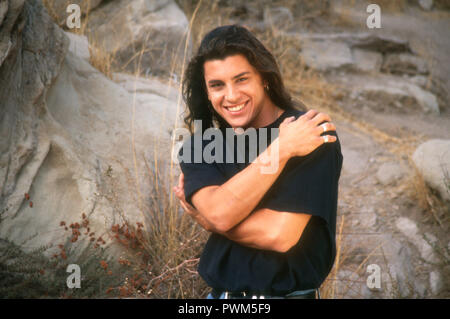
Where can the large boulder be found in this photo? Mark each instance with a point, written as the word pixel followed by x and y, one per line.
pixel 432 159
pixel 58 8
pixel 387 91
pixel 76 142
pixel 148 36
pixel 79 45
pixel 326 55
pixel 32 49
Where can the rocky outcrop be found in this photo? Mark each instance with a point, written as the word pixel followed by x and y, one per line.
pixel 58 9
pixel 383 92
pixel 432 159
pixel 75 142
pixel 372 66
pixel 333 51
pixel 147 36
pixel 32 50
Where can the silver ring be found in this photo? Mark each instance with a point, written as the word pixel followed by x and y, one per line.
pixel 324 126
pixel 325 139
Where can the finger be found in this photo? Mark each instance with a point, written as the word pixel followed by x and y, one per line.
pixel 183 205
pixel 179 179
pixel 186 210
pixel 328 139
pixel 288 120
pixel 321 117
pixel 309 115
pixel 325 127
pixel 179 193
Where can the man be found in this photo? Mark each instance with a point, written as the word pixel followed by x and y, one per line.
pixel 273 235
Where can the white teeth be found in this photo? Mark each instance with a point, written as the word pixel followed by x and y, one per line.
pixel 236 108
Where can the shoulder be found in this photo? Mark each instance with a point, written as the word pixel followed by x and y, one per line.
pixel 293 112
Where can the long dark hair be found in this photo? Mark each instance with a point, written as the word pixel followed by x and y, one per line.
pixel 220 43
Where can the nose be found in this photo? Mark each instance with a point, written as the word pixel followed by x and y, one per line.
pixel 232 94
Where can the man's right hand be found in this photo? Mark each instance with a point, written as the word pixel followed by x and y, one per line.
pixel 302 136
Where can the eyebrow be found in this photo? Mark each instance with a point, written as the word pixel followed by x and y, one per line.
pixel 234 77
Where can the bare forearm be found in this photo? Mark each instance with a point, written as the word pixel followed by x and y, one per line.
pixel 259 230
pixel 227 205
pixel 270 230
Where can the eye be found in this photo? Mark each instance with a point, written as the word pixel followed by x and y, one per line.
pixel 215 85
pixel 242 79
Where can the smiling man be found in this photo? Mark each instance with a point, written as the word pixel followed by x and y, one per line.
pixel 239 97
pixel 273 235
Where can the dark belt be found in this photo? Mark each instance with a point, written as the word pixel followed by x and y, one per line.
pixel 299 294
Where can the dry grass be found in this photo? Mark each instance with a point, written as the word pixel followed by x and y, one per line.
pixel 162 252
pixel 427 199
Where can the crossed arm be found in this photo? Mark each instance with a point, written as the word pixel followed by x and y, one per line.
pixel 263 229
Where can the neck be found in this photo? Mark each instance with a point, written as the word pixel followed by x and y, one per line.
pixel 267 115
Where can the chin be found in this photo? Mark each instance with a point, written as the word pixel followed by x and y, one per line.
pixel 236 124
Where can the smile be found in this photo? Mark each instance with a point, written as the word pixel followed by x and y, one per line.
pixel 236 108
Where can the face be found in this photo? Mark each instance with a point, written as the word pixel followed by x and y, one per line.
pixel 236 91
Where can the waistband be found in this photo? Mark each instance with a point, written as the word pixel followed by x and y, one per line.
pixel 298 294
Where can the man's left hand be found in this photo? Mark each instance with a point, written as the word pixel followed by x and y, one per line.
pixel 188 208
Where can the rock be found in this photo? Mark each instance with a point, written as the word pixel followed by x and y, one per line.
pixel 426 4
pixel 366 60
pixel 425 245
pixel 436 283
pixel 404 63
pixel 362 51
pixel 326 55
pixel 3 10
pixel 409 229
pixel 401 279
pixel 390 173
pixel 157 28
pixel 426 99
pixel 391 91
pixel 419 80
pixel 30 62
pixel 9 13
pixel 57 9
pixel 432 159
pixel 362 40
pixel 75 141
pixel 79 45
pixel 369 219
pixel 355 162
pixel 351 285
pixel 151 85
pixel 278 17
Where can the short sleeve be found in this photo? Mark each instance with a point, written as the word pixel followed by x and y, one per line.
pixel 198 175
pixel 309 184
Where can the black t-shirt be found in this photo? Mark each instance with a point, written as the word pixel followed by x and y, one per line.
pixel 307 184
